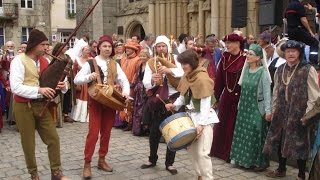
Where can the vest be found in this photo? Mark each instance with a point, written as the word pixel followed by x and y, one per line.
pixel 112 74
pixel 196 102
pixel 31 74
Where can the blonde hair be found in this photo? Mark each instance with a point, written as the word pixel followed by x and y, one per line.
pixel 145 51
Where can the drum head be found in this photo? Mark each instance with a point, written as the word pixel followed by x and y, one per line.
pixel 182 140
pixel 171 118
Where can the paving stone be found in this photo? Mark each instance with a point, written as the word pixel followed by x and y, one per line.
pixel 126 154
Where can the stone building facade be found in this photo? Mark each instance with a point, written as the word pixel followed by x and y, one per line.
pixel 18 17
pixel 168 17
pixel 63 20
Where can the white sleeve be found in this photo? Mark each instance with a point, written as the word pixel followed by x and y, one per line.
pixel 17 71
pixel 205 105
pixel 123 80
pixel 178 71
pixel 147 82
pixel 65 89
pixel 180 101
pixel 83 76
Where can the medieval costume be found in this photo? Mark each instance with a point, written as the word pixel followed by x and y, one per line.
pixel 166 91
pixel 196 92
pixel 80 110
pixel 139 125
pixel 312 118
pixel 206 60
pixel 255 102
pixel 227 93
pixel 28 104
pixel 101 117
pixel 129 65
pixel 295 92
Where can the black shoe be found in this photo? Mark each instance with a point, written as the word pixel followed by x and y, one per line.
pixel 148 165
pixel 172 170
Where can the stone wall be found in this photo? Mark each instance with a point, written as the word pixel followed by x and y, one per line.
pixel 37 17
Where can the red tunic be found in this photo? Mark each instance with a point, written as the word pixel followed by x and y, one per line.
pixel 227 92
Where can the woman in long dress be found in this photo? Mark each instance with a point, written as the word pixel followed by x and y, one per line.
pixel 253 111
pixel 80 110
pixel 140 98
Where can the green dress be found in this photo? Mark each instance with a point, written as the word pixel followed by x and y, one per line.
pixel 251 128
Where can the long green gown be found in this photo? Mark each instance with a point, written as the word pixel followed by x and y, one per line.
pixel 251 128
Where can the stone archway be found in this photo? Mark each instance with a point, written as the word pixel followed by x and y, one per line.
pixel 135 28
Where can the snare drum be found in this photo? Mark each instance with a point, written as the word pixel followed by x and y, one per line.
pixel 178 131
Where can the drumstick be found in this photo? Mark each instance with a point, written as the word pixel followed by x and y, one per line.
pixel 196 138
pixel 158 96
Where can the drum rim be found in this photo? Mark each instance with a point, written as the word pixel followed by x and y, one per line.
pixel 176 137
pixel 171 118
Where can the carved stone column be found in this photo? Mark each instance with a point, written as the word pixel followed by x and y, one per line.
pixel 201 20
pixel 168 17
pixel 185 20
pixel 252 17
pixel 179 17
pixel 222 20
pixel 152 17
pixel 215 17
pixel 157 14
pixel 173 18
pixel 163 17
pixel 228 16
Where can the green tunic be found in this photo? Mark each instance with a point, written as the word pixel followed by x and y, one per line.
pixel 251 128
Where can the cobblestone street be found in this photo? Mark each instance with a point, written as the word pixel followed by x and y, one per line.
pixel 126 154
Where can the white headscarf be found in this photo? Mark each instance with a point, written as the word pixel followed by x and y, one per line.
pixel 76 51
pixel 264 64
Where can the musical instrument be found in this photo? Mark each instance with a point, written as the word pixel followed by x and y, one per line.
pixel 57 70
pixel 157 62
pixel 107 95
pixel 56 78
pixel 178 131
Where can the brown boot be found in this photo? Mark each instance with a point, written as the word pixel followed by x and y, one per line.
pixel 128 128
pixel 199 178
pixel 86 171
pixel 35 176
pixel 103 165
pixel 57 175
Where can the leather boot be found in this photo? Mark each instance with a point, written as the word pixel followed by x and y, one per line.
pixel 35 176
pixel 86 171
pixel 129 127
pixel 103 165
pixel 57 175
pixel 199 178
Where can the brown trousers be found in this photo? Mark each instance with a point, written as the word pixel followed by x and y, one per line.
pixel 28 120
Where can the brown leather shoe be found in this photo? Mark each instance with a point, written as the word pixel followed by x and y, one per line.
pixel 57 175
pixel 276 174
pixel 35 176
pixel 199 178
pixel 86 171
pixel 104 166
pixel 128 128
pixel 68 119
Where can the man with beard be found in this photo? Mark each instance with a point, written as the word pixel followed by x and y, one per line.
pixel 156 81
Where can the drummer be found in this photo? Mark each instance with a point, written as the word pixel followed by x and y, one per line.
pixel 196 92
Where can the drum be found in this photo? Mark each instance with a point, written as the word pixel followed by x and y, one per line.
pixel 178 131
